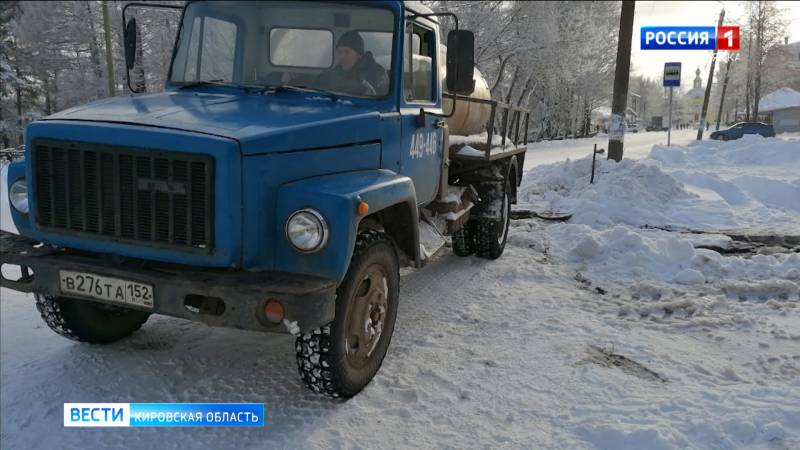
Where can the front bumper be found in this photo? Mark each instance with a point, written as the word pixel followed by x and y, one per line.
pixel 308 301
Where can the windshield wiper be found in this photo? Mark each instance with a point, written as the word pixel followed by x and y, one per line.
pixel 261 88
pixel 204 83
pixel 192 84
pixel 299 88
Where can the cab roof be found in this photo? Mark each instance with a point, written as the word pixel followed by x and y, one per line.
pixel 417 7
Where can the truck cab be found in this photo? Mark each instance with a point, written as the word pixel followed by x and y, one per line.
pixel 277 183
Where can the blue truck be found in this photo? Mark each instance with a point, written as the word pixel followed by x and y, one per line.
pixel 268 187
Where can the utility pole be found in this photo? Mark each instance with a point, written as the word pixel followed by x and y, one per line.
pixel 109 50
pixel 724 88
pixel 708 85
pixel 616 132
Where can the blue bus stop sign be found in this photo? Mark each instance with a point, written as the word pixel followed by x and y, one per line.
pixel 672 74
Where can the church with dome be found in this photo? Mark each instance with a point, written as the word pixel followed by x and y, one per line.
pixel 694 100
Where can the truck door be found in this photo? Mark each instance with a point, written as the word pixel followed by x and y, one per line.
pixel 421 149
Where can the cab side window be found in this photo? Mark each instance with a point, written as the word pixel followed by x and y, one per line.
pixel 418 70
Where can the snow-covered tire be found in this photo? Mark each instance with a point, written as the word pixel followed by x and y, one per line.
pixel 331 359
pixel 464 240
pixel 86 321
pixel 491 234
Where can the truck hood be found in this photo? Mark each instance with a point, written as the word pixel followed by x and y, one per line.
pixel 262 123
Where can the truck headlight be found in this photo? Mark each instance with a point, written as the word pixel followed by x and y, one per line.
pixel 18 195
pixel 306 230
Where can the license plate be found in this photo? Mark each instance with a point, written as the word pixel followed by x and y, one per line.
pixel 114 290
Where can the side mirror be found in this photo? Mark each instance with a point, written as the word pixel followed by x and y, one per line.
pixel 129 39
pixel 460 62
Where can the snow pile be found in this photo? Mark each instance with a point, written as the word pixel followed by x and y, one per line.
pixel 626 255
pixel 629 192
pixel 750 150
pixel 756 179
pixel 752 183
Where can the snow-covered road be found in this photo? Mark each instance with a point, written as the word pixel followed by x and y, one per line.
pixel 577 337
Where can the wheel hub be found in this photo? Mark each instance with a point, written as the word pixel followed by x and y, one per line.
pixel 366 316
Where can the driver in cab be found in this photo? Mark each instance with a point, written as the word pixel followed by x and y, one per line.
pixel 355 72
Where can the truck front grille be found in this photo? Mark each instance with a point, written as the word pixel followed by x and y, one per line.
pixel 159 198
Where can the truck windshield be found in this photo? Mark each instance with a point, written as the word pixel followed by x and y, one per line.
pixel 344 49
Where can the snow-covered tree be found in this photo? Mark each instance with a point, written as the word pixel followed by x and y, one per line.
pixel 766 24
pixel 538 55
pixel 52 56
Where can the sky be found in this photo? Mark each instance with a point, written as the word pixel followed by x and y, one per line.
pixel 650 63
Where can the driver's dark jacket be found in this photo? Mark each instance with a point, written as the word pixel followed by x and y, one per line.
pixel 364 77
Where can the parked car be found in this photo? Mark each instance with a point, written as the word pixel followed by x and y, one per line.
pixel 740 129
pixel 632 128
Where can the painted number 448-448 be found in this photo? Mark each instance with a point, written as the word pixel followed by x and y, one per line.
pixel 425 143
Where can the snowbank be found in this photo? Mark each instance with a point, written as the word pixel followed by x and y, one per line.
pixel 630 192
pixel 752 183
pixel 750 150
pixel 626 255
pixel 751 186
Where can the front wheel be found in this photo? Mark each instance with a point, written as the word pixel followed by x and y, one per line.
pixel 341 358
pixel 86 321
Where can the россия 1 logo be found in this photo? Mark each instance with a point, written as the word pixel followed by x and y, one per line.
pixel 690 38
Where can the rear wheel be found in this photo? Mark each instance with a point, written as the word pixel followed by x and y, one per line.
pixel 491 234
pixel 464 240
pixel 341 358
pixel 86 321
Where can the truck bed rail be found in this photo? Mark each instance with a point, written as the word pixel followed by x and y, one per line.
pixel 512 116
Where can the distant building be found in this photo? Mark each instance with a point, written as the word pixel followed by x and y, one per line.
pixel 694 99
pixel 782 108
pixel 785 61
pixel 634 108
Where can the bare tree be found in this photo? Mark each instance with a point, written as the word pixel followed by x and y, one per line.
pixel 767 26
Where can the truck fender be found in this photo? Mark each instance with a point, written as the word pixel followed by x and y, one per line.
pixel 336 197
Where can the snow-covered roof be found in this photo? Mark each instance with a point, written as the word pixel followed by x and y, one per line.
pixel 781 99
pixel 696 93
